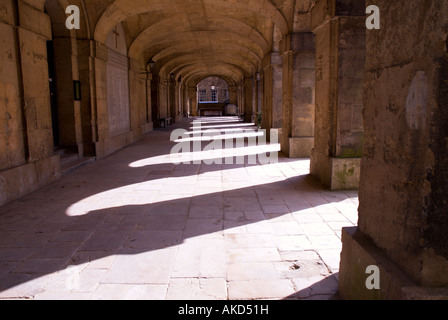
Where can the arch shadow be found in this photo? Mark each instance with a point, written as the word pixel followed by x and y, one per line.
pixel 130 213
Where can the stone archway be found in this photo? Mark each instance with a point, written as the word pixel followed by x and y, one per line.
pixel 213 93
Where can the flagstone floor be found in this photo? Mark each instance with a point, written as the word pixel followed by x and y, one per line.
pixel 137 226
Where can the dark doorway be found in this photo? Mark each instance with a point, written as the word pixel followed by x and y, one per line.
pixel 155 100
pixel 53 95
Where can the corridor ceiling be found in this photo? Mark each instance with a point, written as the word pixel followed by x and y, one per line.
pixel 198 38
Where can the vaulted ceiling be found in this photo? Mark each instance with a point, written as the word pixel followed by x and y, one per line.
pixel 197 38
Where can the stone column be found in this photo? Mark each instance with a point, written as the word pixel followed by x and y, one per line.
pixel 172 101
pixel 146 122
pixel 164 107
pixel 248 99
pixel 297 137
pixel 155 104
pixel 27 159
pixel 272 99
pixel 192 97
pixel 254 99
pixel 339 26
pixel 149 120
pixel 233 95
pixel 137 99
pixel 260 81
pixel 403 219
pixel 240 96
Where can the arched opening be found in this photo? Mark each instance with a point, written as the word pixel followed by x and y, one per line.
pixel 213 97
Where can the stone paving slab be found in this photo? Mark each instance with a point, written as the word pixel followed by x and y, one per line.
pixel 135 226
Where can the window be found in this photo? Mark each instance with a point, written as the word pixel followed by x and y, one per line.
pixel 214 95
pixel 202 95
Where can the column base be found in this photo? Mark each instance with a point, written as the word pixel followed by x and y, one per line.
pixel 300 147
pixel 336 173
pixel 358 253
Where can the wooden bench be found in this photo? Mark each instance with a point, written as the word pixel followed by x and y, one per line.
pixel 165 122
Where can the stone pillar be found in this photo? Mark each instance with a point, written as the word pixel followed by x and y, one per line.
pixel 339 26
pixel 183 103
pixel 248 99
pixel 192 98
pixel 172 101
pixel 403 219
pixel 233 95
pixel 260 80
pixel 144 101
pixel 149 118
pixel 254 99
pixel 177 102
pixel 27 161
pixel 240 96
pixel 298 52
pixel 137 99
pixel 155 104
pixel 164 106
pixel 272 99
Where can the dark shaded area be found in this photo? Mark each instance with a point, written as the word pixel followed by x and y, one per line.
pixel 350 7
pixel 436 210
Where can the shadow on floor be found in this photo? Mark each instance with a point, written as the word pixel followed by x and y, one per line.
pixel 109 208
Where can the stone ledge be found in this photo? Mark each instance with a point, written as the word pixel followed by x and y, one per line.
pixel 358 252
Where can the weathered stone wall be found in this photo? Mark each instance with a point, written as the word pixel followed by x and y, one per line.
pixel 403 190
pixel 12 138
pixel 26 139
pixel 119 124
